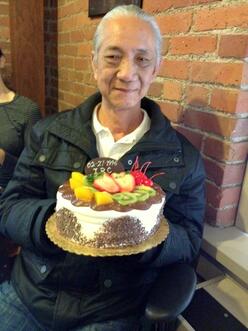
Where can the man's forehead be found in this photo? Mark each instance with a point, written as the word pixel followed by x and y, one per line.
pixel 127 25
pixel 122 48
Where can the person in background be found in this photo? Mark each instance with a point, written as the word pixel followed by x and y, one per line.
pixel 52 289
pixel 17 115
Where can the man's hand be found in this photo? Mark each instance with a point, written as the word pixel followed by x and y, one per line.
pixel 2 156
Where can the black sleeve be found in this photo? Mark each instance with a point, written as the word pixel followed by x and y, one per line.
pixel 24 206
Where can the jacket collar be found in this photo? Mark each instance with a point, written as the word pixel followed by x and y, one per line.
pixel 75 127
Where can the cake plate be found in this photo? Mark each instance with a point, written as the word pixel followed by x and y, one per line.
pixel 67 245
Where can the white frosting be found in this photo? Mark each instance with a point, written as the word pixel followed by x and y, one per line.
pixel 91 221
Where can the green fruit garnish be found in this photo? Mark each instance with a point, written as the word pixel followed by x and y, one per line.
pixel 141 195
pixel 147 189
pixel 125 198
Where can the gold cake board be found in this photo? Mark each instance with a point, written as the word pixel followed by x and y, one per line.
pixel 69 246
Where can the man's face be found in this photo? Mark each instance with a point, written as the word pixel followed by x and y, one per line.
pixel 126 62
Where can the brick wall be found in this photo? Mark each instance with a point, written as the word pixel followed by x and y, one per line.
pixel 75 32
pixel 5 34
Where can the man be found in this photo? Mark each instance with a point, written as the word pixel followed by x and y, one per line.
pixel 55 290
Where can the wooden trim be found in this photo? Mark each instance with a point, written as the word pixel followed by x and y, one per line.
pixel 27 49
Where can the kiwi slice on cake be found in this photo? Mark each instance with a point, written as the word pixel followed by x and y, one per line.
pixel 141 195
pixel 147 189
pixel 125 198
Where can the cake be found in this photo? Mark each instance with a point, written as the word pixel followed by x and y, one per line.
pixel 109 210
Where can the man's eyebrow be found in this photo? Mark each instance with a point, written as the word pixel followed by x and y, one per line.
pixel 118 49
pixel 113 48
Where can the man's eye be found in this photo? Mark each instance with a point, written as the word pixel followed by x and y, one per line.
pixel 143 61
pixel 113 58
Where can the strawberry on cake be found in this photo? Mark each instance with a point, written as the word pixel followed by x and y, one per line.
pixel 109 210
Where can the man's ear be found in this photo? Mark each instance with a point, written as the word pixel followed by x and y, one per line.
pixel 94 64
pixel 156 68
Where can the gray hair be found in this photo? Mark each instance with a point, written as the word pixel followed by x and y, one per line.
pixel 133 11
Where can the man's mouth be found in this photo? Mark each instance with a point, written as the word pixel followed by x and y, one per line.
pixel 124 90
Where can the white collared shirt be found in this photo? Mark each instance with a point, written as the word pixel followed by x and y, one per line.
pixel 105 143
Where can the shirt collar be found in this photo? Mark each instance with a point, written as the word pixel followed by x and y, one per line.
pixel 129 138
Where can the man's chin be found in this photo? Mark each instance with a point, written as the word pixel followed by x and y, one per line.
pixel 126 105
pixel 126 102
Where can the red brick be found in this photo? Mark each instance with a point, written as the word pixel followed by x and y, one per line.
pixel 175 23
pixel 88 32
pixel 64 11
pixel 194 137
pixel 221 217
pixel 197 95
pixel 156 6
pixel 64 105
pixel 233 46
pixel 224 174
pixel 193 45
pixel 89 90
pixel 72 8
pixel 81 20
pixel 80 6
pixel 223 73
pixel 186 3
pixel 63 38
pixel 75 76
pixel 216 123
pixel 221 18
pixel 76 36
pixel 4 20
pixel 219 197
pixel 224 150
pixel 65 85
pixel 62 74
pixel 224 100
pixel 66 24
pixel 174 69
pixel 244 81
pixel 85 49
pixel 4 9
pixel 231 101
pixel 172 90
pixel 69 49
pixel 66 62
pixel 82 64
pixel 172 111
pixel 4 33
pixel 165 46
pixel 155 89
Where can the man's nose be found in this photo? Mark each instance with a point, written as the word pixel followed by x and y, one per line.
pixel 127 70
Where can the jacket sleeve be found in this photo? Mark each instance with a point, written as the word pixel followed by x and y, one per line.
pixel 185 213
pixel 24 206
pixel 9 162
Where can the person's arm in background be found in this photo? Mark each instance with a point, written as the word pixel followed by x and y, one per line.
pixel 7 160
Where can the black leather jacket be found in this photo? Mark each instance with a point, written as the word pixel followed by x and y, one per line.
pixel 61 289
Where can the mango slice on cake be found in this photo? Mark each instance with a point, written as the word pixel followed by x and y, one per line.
pixel 103 198
pixel 84 193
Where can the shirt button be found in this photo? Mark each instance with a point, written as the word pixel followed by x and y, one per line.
pixel 43 269
pixel 42 158
pixel 76 165
pixel 107 283
pixel 129 162
pixel 176 159
pixel 172 185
